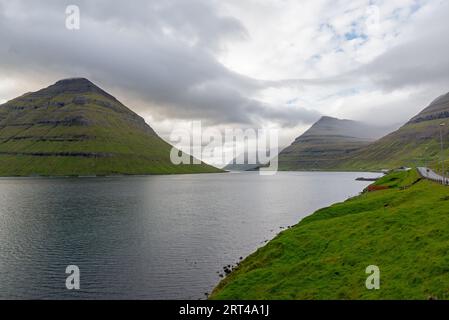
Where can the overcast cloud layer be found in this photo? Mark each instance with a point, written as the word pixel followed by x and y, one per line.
pixel 237 62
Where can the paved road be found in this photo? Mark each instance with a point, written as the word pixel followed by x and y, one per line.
pixel 431 175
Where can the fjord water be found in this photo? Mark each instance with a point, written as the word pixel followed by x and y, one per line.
pixel 151 237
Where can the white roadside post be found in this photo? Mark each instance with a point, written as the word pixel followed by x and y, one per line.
pixel 442 154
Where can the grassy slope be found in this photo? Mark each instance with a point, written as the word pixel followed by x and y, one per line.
pixel 320 153
pixel 403 231
pixel 130 145
pixel 326 143
pixel 415 144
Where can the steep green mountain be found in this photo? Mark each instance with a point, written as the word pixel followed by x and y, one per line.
pixel 328 142
pixel 416 143
pixel 75 128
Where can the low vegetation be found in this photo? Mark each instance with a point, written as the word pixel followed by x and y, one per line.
pixel 74 128
pixel 403 229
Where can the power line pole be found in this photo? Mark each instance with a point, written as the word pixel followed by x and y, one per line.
pixel 442 155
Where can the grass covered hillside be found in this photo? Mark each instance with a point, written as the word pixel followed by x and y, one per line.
pixel 327 143
pixel 75 128
pixel 404 230
pixel 417 143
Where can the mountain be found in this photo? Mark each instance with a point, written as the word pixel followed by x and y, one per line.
pixel 233 166
pixel 75 128
pixel 245 166
pixel 417 143
pixel 328 142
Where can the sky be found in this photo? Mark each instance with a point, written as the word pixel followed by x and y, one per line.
pixel 278 64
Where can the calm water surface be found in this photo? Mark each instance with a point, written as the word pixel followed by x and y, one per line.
pixel 155 237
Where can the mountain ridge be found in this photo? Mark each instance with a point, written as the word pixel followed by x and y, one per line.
pixel 416 143
pixel 74 127
pixel 326 143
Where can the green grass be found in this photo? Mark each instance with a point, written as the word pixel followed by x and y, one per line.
pixel 48 134
pixel 404 230
pixel 321 153
pixel 79 166
pixel 413 145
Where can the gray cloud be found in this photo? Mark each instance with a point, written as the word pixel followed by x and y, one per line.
pixel 420 61
pixel 412 64
pixel 161 53
pixel 160 56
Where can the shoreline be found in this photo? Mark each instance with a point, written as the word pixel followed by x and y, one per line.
pixel 324 256
pixel 107 176
pixel 169 174
pixel 229 269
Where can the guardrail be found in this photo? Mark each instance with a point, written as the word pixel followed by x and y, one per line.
pixel 429 174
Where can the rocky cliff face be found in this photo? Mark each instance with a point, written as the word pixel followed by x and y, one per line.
pixel 438 109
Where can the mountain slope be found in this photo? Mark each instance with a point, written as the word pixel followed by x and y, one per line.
pixel 414 144
pixel 327 143
pixel 233 166
pixel 247 163
pixel 403 230
pixel 75 128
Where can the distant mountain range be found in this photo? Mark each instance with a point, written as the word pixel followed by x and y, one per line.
pixel 75 128
pixel 245 166
pixel 334 144
pixel 415 143
pixel 327 143
pixel 233 166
